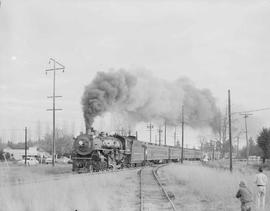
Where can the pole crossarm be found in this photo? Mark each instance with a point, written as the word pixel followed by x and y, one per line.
pixel 246 114
pixel 59 68
pixel 56 109
pixel 51 59
pixel 54 96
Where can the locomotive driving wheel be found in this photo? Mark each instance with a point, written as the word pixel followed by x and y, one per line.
pixel 99 166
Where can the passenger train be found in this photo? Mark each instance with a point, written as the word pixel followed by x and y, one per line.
pixel 100 152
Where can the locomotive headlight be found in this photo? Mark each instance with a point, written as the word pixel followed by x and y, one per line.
pixel 80 143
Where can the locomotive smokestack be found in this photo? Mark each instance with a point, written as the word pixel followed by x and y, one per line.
pixel 141 97
pixel 87 131
pixel 90 130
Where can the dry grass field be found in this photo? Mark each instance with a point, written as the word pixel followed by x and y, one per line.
pixel 196 188
pixel 77 192
pixel 207 189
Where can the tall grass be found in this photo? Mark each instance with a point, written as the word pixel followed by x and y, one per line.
pixel 97 192
pixel 213 189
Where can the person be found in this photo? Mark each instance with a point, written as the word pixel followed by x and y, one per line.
pixel 245 196
pixel 261 182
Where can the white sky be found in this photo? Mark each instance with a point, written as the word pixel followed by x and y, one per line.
pixel 217 44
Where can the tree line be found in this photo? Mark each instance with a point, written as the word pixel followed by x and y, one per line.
pixel 63 144
pixel 258 147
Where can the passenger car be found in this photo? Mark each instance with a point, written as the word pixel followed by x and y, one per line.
pixel 48 160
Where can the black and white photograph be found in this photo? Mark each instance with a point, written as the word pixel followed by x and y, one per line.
pixel 134 105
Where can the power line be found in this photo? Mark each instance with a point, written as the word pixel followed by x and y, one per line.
pixel 261 109
pixel 238 112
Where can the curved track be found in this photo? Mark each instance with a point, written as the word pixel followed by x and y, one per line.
pixel 153 196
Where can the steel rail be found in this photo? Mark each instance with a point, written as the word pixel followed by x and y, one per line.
pixel 141 194
pixel 154 172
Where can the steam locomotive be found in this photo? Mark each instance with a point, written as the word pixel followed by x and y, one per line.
pixel 100 152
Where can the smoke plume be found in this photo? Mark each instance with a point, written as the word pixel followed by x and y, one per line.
pixel 143 97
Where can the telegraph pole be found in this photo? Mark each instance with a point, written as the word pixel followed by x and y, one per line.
pixel 159 136
pixel 246 116
pixel 25 146
pixel 230 128
pixel 174 136
pixel 213 153
pixel 62 68
pixel 150 126
pixel 182 150
pixel 129 131
pixel 165 133
pixel 238 146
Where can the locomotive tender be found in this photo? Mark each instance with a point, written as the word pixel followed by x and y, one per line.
pixel 99 152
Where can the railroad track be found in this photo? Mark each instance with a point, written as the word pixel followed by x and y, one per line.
pixel 49 178
pixel 153 196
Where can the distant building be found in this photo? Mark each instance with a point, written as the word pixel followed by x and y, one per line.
pixel 19 153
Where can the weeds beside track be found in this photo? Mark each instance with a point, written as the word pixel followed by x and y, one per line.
pixel 153 195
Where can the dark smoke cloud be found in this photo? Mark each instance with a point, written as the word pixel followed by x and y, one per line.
pixel 141 96
pixel 105 91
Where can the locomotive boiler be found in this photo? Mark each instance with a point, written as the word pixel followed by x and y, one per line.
pixel 98 152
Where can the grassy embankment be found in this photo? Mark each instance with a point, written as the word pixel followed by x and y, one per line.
pixel 79 192
pixel 202 188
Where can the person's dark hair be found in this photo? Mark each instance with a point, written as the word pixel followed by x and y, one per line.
pixel 260 169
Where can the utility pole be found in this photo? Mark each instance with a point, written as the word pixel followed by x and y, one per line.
pixel 159 136
pixel 182 150
pixel 25 146
pixel 129 131
pixel 174 136
pixel 150 126
pixel 38 130
pixel 238 146
pixel 165 133
pixel 213 153
pixel 230 128
pixel 246 116
pixel 62 68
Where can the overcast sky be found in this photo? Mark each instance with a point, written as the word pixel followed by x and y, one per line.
pixel 219 45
